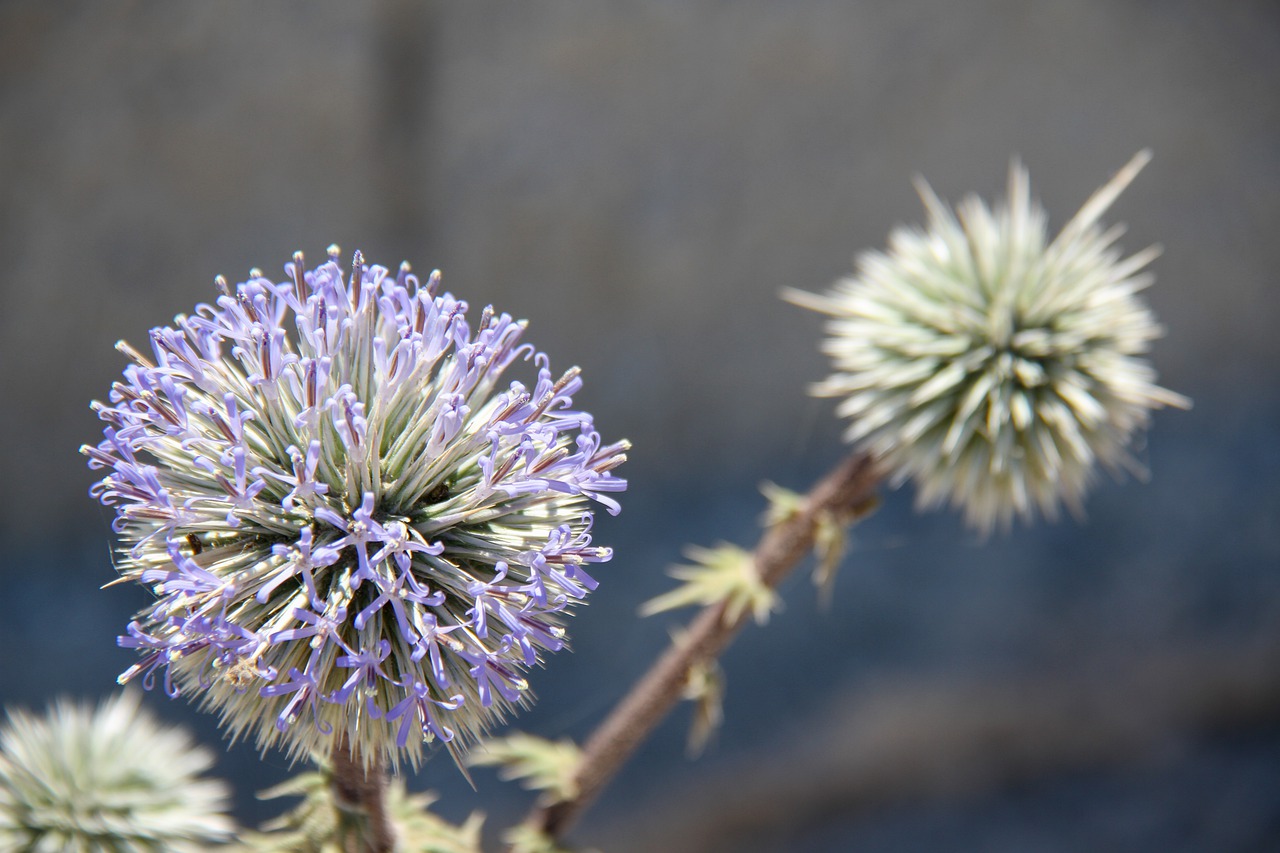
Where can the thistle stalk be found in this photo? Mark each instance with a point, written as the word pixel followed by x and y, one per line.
pixel 845 493
pixel 359 795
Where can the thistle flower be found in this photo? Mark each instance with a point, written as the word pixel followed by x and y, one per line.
pixel 992 365
pixel 350 526
pixel 111 779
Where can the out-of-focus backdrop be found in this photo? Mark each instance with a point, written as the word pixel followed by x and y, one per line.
pixel 639 181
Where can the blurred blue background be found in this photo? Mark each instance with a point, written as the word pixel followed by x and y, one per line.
pixel 639 181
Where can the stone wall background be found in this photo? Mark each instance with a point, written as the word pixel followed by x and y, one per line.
pixel 639 180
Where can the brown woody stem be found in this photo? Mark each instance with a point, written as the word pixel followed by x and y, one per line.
pixel 360 795
pixel 844 494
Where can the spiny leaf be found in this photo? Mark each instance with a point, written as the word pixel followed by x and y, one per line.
pixel 831 542
pixel 705 688
pixel 725 573
pixel 314 825
pixel 784 504
pixel 547 766
pixel 528 839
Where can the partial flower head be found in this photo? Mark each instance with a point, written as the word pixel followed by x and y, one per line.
pixel 990 364
pixel 79 779
pixel 350 523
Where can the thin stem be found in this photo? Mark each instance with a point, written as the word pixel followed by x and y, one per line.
pixel 359 793
pixel 843 494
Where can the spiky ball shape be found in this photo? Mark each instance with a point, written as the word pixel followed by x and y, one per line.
pixel 84 780
pixel 351 526
pixel 990 364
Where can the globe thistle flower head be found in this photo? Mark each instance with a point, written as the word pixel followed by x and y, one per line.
pixel 350 524
pixel 80 779
pixel 992 365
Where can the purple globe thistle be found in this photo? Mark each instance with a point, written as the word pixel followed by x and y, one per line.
pixel 349 524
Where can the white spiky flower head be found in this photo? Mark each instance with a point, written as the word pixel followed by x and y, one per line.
pixel 79 779
pixel 990 364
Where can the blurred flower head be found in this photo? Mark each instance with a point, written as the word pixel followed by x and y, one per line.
pixel 350 524
pixel 79 779
pixel 990 364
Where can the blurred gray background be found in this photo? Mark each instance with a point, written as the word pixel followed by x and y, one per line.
pixel 639 181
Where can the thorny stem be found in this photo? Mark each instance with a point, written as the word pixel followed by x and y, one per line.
pixel 359 794
pixel 845 494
